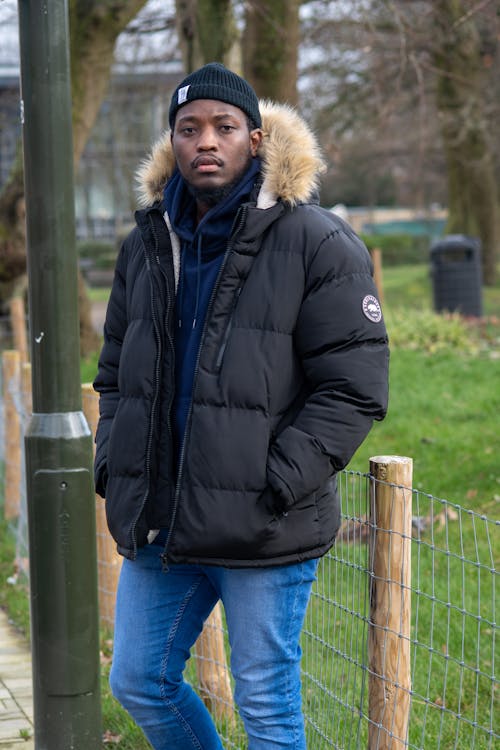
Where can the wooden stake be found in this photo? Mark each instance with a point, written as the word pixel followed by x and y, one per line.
pixel 108 560
pixel 26 388
pixel 211 665
pixel 18 323
pixel 377 273
pixel 11 367
pixel 390 602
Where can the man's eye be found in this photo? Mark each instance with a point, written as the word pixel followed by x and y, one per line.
pixel 227 128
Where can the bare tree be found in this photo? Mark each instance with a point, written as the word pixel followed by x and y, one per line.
pixel 266 50
pixel 207 32
pixel 270 48
pixel 413 85
pixel 462 56
pixel 361 95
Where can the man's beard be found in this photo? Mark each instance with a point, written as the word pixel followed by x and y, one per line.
pixel 211 196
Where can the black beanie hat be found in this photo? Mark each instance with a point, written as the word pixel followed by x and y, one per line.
pixel 214 81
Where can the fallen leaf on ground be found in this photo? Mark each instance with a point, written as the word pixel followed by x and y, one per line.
pixel 109 738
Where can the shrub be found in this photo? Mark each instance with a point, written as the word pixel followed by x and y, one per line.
pixel 97 254
pixel 426 331
pixel 399 249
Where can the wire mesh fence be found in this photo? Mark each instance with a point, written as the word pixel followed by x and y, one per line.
pixel 405 658
pixel 453 635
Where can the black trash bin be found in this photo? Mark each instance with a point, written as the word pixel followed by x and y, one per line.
pixel 456 275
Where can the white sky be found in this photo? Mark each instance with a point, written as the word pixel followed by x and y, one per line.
pixel 9 38
pixel 9 41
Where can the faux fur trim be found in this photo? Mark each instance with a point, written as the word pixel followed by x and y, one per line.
pixel 154 172
pixel 291 160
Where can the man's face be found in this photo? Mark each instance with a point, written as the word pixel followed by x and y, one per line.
pixel 212 147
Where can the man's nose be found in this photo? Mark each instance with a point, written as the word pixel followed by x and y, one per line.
pixel 207 139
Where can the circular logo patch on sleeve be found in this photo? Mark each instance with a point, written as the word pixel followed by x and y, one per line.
pixel 371 308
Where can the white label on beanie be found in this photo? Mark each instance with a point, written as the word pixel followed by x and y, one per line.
pixel 182 95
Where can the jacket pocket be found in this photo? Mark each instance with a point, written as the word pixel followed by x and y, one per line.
pixel 228 525
pixel 222 349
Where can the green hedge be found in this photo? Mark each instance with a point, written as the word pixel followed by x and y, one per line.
pixel 97 254
pixel 399 249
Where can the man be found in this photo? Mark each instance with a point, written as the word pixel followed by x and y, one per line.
pixel 244 361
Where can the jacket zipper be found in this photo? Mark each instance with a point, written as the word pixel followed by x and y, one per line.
pixel 227 332
pixel 156 390
pixel 170 339
pixel 238 224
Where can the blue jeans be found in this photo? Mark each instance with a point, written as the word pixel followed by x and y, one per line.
pixel 159 616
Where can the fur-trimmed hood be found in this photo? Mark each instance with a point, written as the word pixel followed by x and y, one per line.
pixel 291 160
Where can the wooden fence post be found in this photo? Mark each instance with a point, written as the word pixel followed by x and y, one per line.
pixel 11 367
pixel 26 388
pixel 108 559
pixel 390 602
pixel 377 273
pixel 18 323
pixel 211 666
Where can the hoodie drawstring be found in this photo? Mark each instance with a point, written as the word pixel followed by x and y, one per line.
pixel 198 279
pixel 182 284
pixel 180 289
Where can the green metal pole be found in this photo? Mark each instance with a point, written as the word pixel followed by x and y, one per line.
pixel 61 513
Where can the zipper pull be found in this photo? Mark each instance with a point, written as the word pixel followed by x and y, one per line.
pixel 164 562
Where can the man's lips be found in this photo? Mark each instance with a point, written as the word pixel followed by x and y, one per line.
pixel 206 163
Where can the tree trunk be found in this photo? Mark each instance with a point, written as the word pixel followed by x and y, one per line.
pixel 270 48
pixel 207 33
pixel 12 231
pixel 472 185
pixel 94 27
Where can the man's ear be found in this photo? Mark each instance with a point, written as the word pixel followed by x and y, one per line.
pixel 255 140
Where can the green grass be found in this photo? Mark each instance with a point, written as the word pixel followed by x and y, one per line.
pixel 444 393
pixel 88 368
pixel 98 294
pixel 13 589
pixel 407 287
pixel 443 413
pixel 120 730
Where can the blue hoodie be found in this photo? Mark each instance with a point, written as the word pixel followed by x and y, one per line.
pixel 202 251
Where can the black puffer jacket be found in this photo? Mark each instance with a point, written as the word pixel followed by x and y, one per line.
pixel 291 373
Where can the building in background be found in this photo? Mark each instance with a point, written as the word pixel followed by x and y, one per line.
pixel 10 119
pixel 131 118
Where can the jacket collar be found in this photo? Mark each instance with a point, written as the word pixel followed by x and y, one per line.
pixel 290 156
